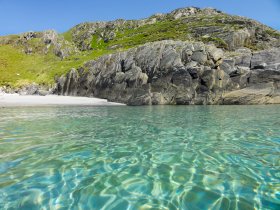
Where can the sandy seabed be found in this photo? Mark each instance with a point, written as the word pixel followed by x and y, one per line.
pixel 36 100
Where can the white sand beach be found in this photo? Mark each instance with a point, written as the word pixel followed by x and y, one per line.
pixel 7 100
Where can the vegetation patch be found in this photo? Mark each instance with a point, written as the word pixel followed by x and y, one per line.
pixel 273 33
pixel 68 36
pixel 167 29
pixel 17 68
pixel 215 40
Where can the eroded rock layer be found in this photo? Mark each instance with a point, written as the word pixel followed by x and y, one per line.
pixel 176 72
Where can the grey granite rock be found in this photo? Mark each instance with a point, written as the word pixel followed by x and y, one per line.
pixel 266 59
pixel 172 72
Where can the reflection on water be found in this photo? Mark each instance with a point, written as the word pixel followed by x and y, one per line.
pixel 164 157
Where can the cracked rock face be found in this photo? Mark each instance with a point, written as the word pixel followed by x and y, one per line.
pixel 268 60
pixel 175 72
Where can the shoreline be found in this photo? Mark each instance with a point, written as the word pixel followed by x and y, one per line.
pixel 14 100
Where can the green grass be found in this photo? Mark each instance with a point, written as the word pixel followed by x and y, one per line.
pixel 163 30
pixel 97 43
pixel 18 69
pixel 11 38
pixel 132 37
pixel 273 33
pixel 68 36
pixel 217 41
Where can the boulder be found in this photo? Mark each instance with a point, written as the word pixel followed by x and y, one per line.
pixel 237 39
pixel 29 35
pixel 214 52
pixel 29 89
pixel 200 57
pixel 50 37
pixel 179 13
pixel 228 65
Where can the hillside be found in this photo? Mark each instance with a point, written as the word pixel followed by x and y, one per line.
pixel 42 57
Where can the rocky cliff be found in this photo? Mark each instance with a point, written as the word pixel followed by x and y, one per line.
pixel 176 72
pixel 187 56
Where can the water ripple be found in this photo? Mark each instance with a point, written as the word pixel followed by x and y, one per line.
pixel 196 157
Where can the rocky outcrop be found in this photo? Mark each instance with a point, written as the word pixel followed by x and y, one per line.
pixel 30 89
pixel 218 53
pixel 41 42
pixel 61 47
pixel 34 89
pixel 263 93
pixel 175 72
pixel 207 25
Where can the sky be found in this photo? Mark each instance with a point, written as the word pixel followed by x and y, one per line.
pixel 17 16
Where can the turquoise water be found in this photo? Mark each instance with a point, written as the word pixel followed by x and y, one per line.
pixel 163 157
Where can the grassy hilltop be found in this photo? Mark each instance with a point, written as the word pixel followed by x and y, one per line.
pixel 40 57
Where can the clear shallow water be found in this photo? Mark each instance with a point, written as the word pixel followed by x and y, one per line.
pixel 164 157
